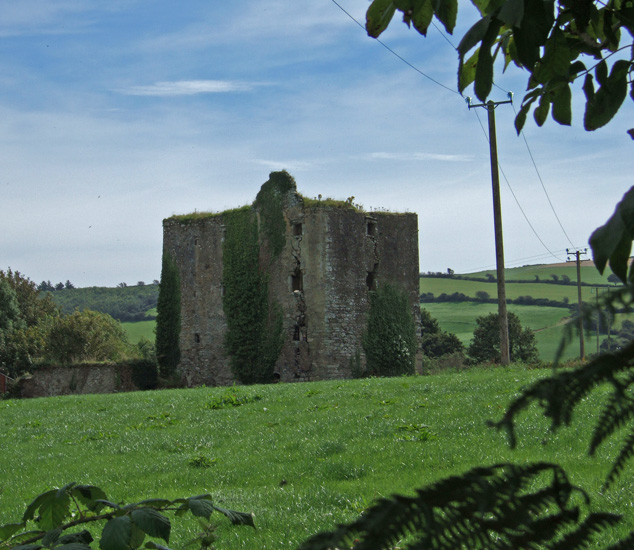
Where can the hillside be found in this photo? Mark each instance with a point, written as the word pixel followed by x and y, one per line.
pixel 126 304
pixel 538 283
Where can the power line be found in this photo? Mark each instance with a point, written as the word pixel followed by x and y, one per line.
pixel 530 153
pixel 517 200
pixel 486 136
pixel 396 54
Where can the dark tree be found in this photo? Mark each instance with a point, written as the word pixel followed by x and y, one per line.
pixel 434 341
pixel 485 346
pixel 168 319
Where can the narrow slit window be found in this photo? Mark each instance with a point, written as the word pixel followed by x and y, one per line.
pixel 298 229
pixel 371 228
pixel 197 338
pixel 297 281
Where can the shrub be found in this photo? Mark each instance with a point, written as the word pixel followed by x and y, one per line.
pixel 86 336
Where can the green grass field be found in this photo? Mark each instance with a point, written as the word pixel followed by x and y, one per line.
pixel 589 273
pixel 138 330
pixel 301 457
pixel 460 319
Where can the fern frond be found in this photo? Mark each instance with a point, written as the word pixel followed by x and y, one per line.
pixel 591 526
pixel 493 508
pixel 624 544
pixel 617 412
pixel 559 394
pixel 626 453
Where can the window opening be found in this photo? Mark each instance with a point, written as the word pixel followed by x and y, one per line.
pixel 371 228
pixel 297 281
pixel 197 338
pixel 298 229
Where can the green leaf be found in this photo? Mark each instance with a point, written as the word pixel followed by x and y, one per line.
pixel 467 70
pixel 534 30
pixel 605 103
pixel 474 35
pixel 90 496
pixel 422 16
pixel 200 507
pixel 520 119
pixel 51 537
pixel 73 546
pixel 378 17
pixel 109 504
pixel 541 113
pixel 152 522
pixel 237 518
pixel 154 503
pixel 484 74
pixel 53 509
pixel 8 530
pixel 562 110
pixel 137 537
pixel 612 242
pixel 29 513
pixel 151 544
pixel 447 12
pixel 28 547
pixel 116 534
pixel 484 67
pixel 83 537
pixel 512 13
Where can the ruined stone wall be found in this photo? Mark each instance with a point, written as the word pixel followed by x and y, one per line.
pixel 332 258
pixel 196 246
pixel 81 379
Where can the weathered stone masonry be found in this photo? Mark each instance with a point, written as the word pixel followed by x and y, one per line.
pixel 333 256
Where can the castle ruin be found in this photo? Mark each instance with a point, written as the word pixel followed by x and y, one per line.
pixel 317 260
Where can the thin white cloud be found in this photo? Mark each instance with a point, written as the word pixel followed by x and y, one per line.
pixel 188 87
pixel 420 156
pixel 290 165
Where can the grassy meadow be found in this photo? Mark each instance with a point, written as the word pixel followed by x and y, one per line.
pixel 301 457
pixel 546 321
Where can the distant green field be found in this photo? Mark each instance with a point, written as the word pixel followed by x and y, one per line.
pixel 547 322
pixel 460 319
pixel 513 290
pixel 138 330
pixel 589 273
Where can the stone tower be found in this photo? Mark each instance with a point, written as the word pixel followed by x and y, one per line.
pixel 319 259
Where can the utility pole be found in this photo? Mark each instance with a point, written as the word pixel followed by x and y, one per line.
pixel 505 355
pixel 596 292
pixel 577 254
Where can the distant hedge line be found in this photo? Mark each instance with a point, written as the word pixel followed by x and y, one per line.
pixel 428 297
pixel 493 279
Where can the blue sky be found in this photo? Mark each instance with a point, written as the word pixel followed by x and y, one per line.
pixel 114 116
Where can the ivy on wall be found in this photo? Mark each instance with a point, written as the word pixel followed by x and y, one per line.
pixel 389 341
pixel 270 204
pixel 168 318
pixel 254 326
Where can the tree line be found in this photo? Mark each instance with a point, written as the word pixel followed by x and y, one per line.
pixel 35 330
pixel 124 303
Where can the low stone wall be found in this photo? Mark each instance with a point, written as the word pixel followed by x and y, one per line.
pixel 79 379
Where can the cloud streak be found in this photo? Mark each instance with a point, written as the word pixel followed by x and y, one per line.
pixel 188 88
pixel 420 156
